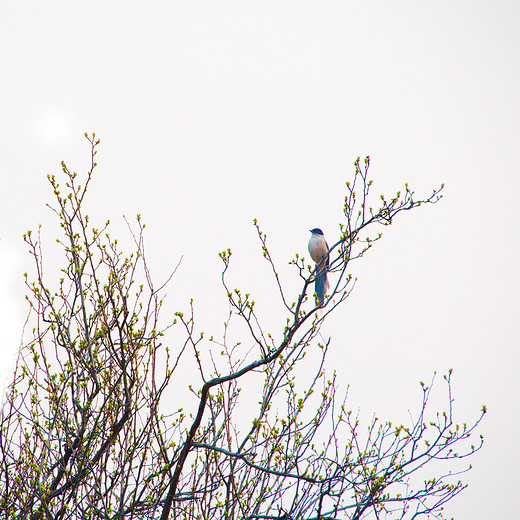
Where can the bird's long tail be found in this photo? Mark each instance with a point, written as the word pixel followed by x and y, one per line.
pixel 322 286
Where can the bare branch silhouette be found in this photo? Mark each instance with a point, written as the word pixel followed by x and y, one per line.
pixel 85 431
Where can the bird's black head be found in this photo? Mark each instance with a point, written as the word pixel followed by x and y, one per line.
pixel 316 231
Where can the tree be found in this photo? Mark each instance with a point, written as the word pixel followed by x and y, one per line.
pixel 86 432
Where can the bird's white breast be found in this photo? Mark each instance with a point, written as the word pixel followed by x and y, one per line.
pixel 317 248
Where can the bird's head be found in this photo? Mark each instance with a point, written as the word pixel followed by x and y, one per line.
pixel 316 231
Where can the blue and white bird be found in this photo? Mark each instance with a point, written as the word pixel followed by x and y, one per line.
pixel 319 251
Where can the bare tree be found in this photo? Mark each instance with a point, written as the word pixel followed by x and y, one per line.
pixel 86 432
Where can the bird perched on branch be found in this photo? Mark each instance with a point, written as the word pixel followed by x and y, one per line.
pixel 319 251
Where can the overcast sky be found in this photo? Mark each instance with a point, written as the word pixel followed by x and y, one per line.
pixel 213 113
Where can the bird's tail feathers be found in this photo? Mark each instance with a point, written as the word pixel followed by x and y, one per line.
pixel 321 286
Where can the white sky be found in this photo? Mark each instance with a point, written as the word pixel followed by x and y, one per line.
pixel 213 113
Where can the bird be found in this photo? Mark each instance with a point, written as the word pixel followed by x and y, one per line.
pixel 319 251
